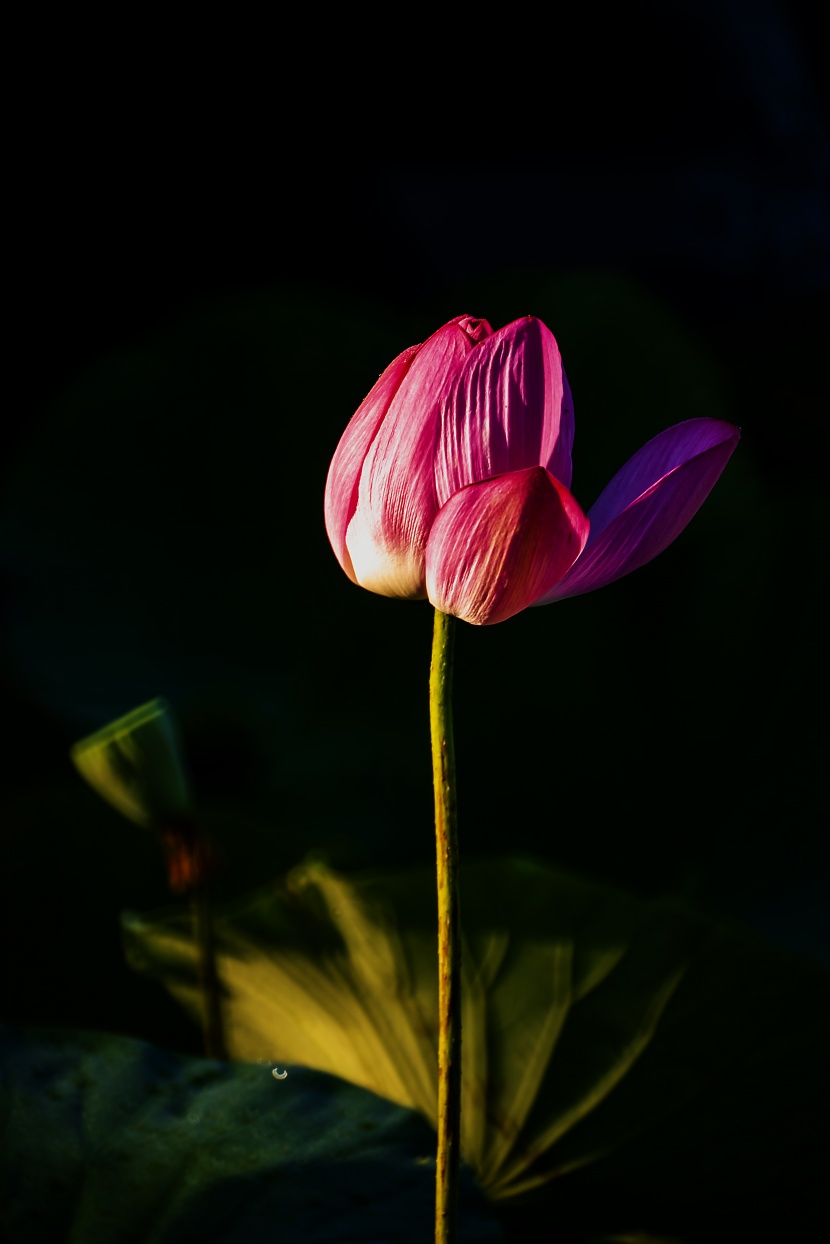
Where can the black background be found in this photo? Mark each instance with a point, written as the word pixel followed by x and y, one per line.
pixel 219 240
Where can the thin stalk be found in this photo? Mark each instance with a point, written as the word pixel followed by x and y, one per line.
pixel 200 907
pixel 449 932
pixel 190 864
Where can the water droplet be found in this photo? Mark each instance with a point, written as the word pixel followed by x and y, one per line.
pixel 279 1075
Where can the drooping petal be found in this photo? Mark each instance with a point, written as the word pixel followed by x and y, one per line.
pixel 396 502
pixel 669 449
pixel 508 408
pixel 497 546
pixel 347 463
pixel 649 502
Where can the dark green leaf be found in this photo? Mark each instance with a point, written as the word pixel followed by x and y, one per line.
pixel 108 1140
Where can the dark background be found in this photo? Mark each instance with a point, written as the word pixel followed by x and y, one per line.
pixel 216 251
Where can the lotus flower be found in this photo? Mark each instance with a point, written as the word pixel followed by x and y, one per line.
pixel 452 480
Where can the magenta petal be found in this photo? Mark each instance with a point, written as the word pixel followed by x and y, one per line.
pixel 660 490
pixel 508 408
pixel 396 502
pixel 497 546
pixel 347 463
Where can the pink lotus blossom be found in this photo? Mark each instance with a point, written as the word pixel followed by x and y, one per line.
pixel 452 480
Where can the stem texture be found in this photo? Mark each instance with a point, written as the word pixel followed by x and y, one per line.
pixel 449 932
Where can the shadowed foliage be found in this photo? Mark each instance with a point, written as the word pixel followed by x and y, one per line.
pixel 611 1044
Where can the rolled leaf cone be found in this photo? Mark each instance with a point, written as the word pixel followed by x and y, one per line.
pixel 135 763
pixel 591 1019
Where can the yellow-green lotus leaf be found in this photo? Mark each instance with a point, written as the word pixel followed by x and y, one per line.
pixel 590 1017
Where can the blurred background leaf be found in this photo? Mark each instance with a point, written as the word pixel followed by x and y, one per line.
pixel 658 1058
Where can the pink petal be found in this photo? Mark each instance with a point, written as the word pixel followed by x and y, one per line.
pixel 508 408
pixel 347 463
pixel 649 502
pixel 497 546
pixel 396 503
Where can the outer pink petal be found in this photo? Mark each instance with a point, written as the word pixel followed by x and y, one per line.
pixel 347 463
pixel 649 502
pixel 396 502
pixel 508 408
pixel 496 547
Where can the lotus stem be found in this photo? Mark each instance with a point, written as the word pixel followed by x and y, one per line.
pixel 449 932
pixel 189 867
pixel 212 1030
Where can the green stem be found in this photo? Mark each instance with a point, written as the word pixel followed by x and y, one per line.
pixel 214 1041
pixel 190 864
pixel 449 932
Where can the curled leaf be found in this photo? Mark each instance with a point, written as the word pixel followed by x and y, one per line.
pixel 135 763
